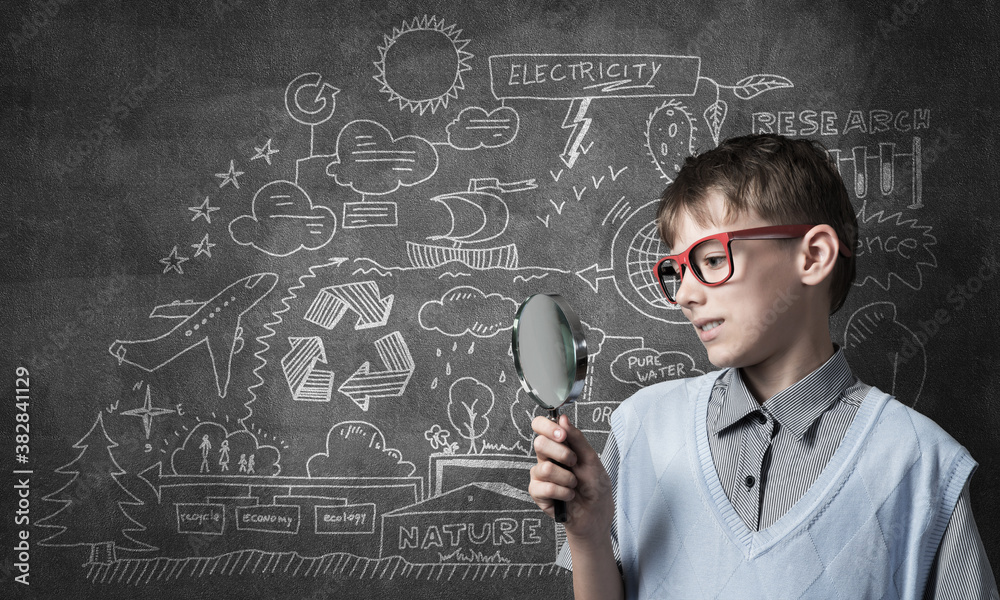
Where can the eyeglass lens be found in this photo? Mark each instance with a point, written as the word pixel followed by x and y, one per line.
pixel 709 261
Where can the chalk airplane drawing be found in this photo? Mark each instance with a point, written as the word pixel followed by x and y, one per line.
pixel 216 324
pixel 147 412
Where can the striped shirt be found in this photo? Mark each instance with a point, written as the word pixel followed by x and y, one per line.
pixel 767 455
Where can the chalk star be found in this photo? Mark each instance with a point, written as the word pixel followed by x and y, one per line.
pixel 147 412
pixel 203 210
pixel 203 247
pixel 173 262
pixel 230 176
pixel 265 151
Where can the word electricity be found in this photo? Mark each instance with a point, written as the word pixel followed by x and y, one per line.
pixel 525 73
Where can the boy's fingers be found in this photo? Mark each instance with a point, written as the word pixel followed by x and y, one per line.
pixel 553 473
pixel 546 449
pixel 543 426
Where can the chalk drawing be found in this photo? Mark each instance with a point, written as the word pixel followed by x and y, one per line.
pixel 397 369
pixel 216 324
pixel 173 262
pixel 429 86
pixel 366 447
pixel 203 247
pixel 283 221
pixel 362 298
pixel 264 151
pixel 469 403
pixel 894 358
pixel 468 310
pixel 147 412
pixel 901 247
pixel 203 210
pixel 645 366
pixel 477 127
pixel 230 176
pixel 310 101
pixel 305 381
pixel 371 161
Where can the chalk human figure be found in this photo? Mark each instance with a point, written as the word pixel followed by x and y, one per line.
pixel 205 447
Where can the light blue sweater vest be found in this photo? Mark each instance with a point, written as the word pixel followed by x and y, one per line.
pixel 869 527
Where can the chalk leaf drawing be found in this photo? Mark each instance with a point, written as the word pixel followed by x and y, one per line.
pixel 873 331
pixel 715 116
pixel 477 127
pixel 283 221
pixel 370 160
pixel 305 381
pixel 754 85
pixel 358 449
pixel 397 369
pixel 469 403
pixel 468 310
pixel 94 501
pixel 216 324
pixel 900 247
pixel 210 450
pixel 421 85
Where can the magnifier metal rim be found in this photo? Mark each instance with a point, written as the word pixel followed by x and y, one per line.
pixel 579 351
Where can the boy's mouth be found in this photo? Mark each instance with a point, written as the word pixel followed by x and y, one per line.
pixel 707 325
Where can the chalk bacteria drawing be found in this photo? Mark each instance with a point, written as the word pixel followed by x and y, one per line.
pixel 147 412
pixel 305 381
pixel 431 85
pixel 362 298
pixel 874 331
pixel 583 78
pixel 283 221
pixel 397 369
pixel 94 501
pixel 901 247
pixel 477 127
pixel 468 310
pixel 173 262
pixel 216 324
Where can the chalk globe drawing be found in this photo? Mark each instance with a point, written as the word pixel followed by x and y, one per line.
pixel 420 65
pixel 635 250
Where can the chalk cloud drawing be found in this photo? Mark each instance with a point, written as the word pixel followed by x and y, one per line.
pixel 362 298
pixel 397 369
pixel 147 412
pixel 283 221
pixel 645 366
pixel 305 381
pixel 469 403
pixel 468 310
pixel 216 324
pixel 874 331
pixel 370 160
pixel 430 83
pixel 358 449
pixel 476 128
pixel 94 501
pixel 201 452
pixel 900 247
pixel 477 214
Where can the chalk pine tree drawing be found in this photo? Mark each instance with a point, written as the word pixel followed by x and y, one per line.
pixel 469 401
pixel 93 502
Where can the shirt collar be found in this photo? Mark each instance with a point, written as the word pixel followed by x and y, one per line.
pixel 796 407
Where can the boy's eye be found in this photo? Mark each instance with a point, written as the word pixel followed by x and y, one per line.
pixel 715 262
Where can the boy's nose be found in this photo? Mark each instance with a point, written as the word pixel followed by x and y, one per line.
pixel 690 290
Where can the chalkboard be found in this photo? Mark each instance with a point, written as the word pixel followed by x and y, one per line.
pixel 261 262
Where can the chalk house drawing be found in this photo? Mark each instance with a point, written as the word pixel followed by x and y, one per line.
pixel 216 324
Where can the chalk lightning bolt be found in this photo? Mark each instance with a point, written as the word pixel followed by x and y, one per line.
pixel 580 124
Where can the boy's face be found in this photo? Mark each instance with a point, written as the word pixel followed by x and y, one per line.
pixel 753 317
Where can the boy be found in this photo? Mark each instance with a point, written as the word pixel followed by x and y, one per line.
pixel 783 475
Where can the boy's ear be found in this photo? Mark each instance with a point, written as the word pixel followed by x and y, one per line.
pixel 819 250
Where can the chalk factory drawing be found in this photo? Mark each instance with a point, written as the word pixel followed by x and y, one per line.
pixel 339 400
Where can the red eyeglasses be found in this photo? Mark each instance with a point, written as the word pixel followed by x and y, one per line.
pixel 711 258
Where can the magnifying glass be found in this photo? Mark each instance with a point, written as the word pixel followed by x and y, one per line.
pixel 550 357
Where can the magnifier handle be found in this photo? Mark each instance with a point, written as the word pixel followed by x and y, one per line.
pixel 558 506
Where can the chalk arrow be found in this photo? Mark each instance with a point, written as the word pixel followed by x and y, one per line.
pixel 579 123
pixel 363 298
pixel 398 365
pixel 309 100
pixel 594 274
pixel 305 381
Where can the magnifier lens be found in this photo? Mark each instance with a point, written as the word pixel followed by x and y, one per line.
pixel 547 351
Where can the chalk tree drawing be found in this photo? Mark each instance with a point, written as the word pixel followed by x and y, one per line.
pixel 900 246
pixel 895 359
pixel 362 298
pixel 284 220
pixel 305 381
pixel 147 412
pixel 397 369
pixel 434 82
pixel 468 310
pixel 477 127
pixel 477 215
pixel 94 501
pixel 469 403
pixel 216 324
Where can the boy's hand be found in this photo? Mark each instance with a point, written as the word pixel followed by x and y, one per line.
pixel 585 486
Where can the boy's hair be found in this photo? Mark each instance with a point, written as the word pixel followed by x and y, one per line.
pixel 785 181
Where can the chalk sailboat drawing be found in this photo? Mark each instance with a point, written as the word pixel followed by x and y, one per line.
pixel 478 215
